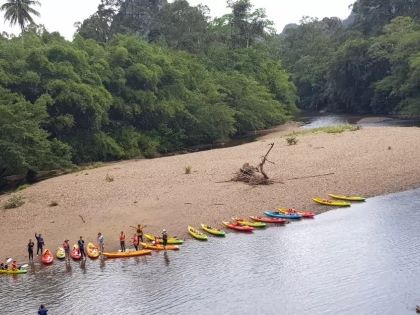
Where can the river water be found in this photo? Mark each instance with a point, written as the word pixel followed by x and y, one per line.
pixel 359 260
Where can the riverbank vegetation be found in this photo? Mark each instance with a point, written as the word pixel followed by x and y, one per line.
pixel 141 78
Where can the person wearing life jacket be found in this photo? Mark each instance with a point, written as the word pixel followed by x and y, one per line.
pixel 122 241
pixel 66 247
pixel 14 266
pixel 135 241
pixel 139 231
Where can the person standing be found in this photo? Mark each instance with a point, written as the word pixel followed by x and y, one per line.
pixel 81 244
pixel 139 231
pixel 66 247
pixel 122 241
pixel 135 240
pixel 42 310
pixel 31 250
pixel 101 242
pixel 164 238
pixel 39 244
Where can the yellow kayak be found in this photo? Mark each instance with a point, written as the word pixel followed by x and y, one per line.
pixel 92 251
pixel 128 254
pixel 244 222
pixel 349 198
pixel 13 272
pixel 334 203
pixel 60 253
pixel 197 234
pixel 159 247
pixel 212 230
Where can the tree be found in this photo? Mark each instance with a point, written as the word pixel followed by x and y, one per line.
pixel 20 11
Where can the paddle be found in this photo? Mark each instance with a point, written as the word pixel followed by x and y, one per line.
pixel 24 266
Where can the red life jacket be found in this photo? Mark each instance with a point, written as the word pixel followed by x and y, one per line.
pixel 122 237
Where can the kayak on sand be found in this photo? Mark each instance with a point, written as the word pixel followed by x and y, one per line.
pixel 334 203
pixel 171 240
pixel 237 227
pixel 276 214
pixel 212 230
pixel 197 234
pixel 348 198
pixel 60 253
pixel 128 254
pixel 92 251
pixel 159 247
pixel 269 220
pixel 47 257
pixel 243 222
pixel 75 252
pixel 304 214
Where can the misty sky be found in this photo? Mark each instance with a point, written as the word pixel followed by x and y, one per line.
pixel 60 15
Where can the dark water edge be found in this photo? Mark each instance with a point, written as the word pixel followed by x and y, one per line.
pixel 359 260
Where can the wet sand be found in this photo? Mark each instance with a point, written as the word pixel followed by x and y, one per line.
pixel 158 193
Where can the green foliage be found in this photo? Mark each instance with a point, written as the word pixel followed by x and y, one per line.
pixel 19 12
pixel 188 169
pixel 15 201
pixel 331 129
pixel 292 140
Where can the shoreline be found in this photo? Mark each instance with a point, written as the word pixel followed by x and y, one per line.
pixel 158 193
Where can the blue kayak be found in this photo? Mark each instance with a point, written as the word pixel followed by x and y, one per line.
pixel 293 216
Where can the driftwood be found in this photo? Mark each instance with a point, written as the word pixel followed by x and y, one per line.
pixel 83 220
pixel 311 176
pixel 255 175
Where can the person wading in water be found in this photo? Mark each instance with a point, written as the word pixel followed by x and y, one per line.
pixel 139 231
pixel 39 244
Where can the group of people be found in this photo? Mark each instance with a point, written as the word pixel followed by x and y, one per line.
pixel 135 240
pixel 14 266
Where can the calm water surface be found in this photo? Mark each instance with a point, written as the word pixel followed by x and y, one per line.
pixel 360 260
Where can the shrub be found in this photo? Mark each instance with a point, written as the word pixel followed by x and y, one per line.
pixel 15 201
pixel 292 140
pixel 22 187
pixel 109 178
pixel 188 169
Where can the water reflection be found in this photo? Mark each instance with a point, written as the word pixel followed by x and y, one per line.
pixel 361 260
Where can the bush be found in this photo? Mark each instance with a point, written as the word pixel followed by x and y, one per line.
pixel 15 201
pixel 188 169
pixel 292 140
pixel 109 178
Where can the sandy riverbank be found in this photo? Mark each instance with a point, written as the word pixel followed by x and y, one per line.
pixel 158 192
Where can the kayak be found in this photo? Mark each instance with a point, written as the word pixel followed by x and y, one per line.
pixel 348 198
pixel 128 254
pixel 75 253
pixel 269 220
pixel 304 214
pixel 171 240
pixel 47 257
pixel 159 247
pixel 334 203
pixel 243 222
pixel 60 253
pixel 212 230
pixel 276 214
pixel 92 251
pixel 197 234
pixel 13 272
pixel 237 227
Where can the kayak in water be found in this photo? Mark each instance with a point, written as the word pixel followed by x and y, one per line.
pixel 212 230
pixel 334 203
pixel 197 234
pixel 128 254
pixel 47 257
pixel 348 198
pixel 159 247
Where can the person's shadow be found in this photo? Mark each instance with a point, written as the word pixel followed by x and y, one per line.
pixel 83 265
pixel 166 257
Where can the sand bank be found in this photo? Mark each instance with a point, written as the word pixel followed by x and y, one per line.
pixel 158 193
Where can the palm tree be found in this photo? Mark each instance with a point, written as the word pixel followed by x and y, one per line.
pixel 19 12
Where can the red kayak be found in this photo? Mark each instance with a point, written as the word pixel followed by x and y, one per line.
pixel 237 227
pixel 304 214
pixel 269 220
pixel 75 253
pixel 47 257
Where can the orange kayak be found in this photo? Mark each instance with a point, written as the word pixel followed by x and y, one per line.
pixel 47 257
pixel 304 214
pixel 159 247
pixel 128 254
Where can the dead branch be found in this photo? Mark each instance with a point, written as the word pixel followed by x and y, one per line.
pixel 311 176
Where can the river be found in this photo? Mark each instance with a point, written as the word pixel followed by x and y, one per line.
pixel 359 260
